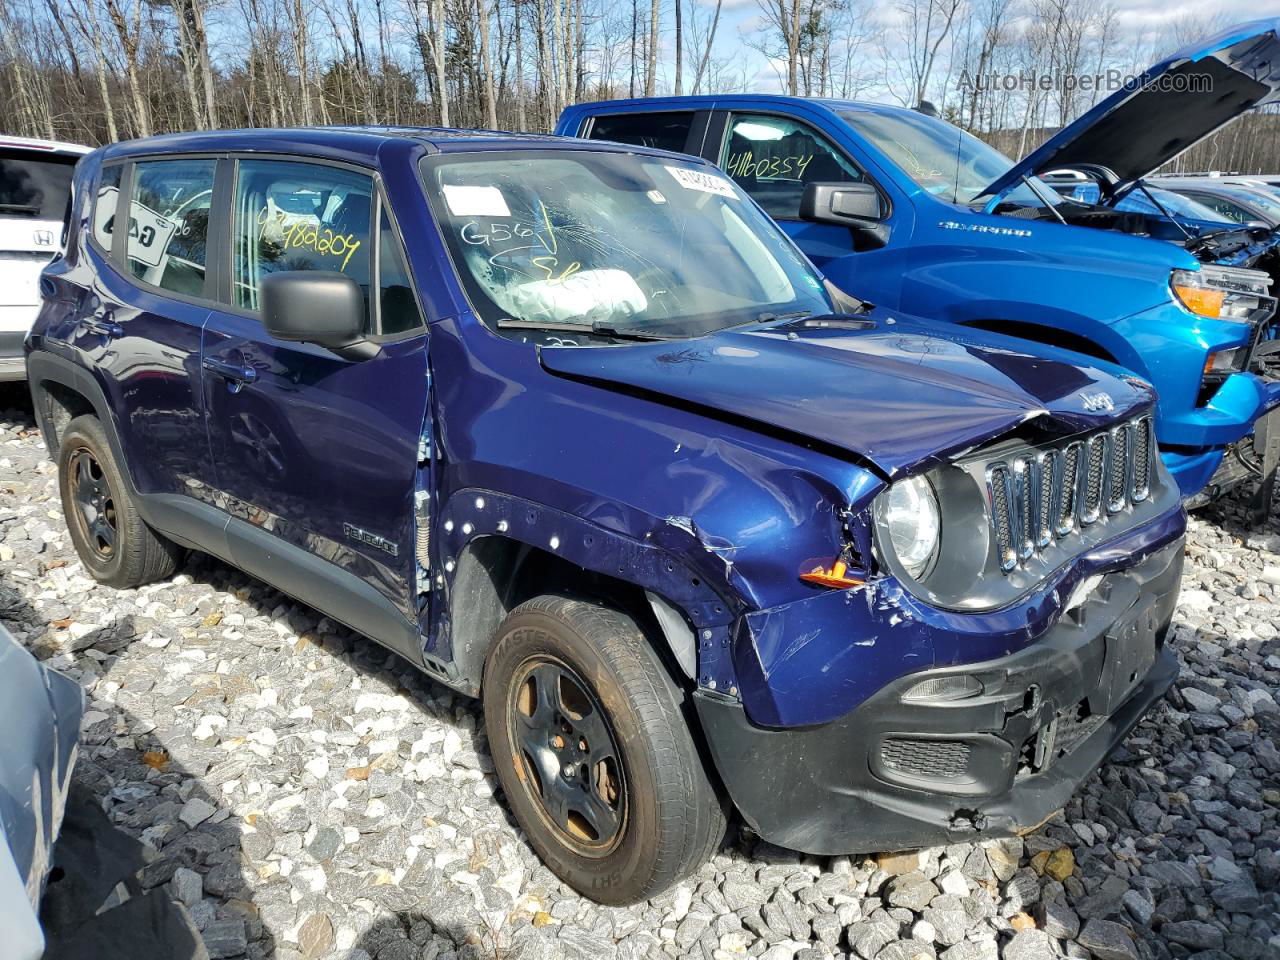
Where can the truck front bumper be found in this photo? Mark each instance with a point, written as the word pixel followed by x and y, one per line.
pixel 904 770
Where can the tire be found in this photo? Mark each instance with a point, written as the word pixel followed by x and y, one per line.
pixel 113 542
pixel 606 690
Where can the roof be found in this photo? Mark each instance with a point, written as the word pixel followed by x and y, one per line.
pixel 355 143
pixel 43 146
pixel 707 100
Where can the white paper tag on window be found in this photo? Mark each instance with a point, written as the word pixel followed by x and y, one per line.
pixel 475 201
pixel 703 182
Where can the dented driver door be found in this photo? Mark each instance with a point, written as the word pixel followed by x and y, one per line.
pixel 317 451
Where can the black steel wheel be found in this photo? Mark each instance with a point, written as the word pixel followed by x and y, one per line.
pixel 572 765
pixel 95 506
pixel 592 744
pixel 113 542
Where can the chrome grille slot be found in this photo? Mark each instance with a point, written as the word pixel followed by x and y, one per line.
pixel 1143 443
pixel 1118 469
pixel 1095 450
pixel 1069 496
pixel 1024 481
pixel 1048 472
pixel 1000 494
pixel 1039 498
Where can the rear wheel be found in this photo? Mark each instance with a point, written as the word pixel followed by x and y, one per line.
pixel 113 542
pixel 594 753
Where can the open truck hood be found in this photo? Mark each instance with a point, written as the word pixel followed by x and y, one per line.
pixel 1172 106
pixel 893 394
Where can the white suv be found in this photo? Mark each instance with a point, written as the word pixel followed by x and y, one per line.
pixel 35 184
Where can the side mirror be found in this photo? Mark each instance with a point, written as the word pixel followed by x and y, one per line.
pixel 856 205
pixel 312 306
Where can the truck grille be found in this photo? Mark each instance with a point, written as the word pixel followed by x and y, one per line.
pixel 1042 497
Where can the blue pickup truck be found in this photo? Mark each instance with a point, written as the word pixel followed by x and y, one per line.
pixel 907 211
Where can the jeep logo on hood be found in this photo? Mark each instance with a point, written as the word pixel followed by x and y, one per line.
pixel 1097 402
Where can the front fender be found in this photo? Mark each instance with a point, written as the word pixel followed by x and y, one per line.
pixel 668 560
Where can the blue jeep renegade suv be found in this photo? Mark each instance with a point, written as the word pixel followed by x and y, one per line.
pixel 575 428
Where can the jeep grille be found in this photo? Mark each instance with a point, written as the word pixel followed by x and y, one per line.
pixel 1040 497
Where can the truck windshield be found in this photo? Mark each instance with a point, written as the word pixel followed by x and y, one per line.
pixel 943 159
pixel 34 186
pixel 615 242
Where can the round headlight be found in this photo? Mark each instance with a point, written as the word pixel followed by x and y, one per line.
pixel 912 521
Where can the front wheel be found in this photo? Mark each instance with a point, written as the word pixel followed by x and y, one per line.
pixel 593 751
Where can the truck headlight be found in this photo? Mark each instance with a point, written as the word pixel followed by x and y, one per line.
pixel 909 516
pixel 1224 293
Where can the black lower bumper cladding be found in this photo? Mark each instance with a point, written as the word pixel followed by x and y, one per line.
pixel 902 772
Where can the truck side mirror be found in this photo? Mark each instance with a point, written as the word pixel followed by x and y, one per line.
pixel 855 205
pixel 319 307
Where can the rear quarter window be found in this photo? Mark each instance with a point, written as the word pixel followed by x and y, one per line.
pixel 664 131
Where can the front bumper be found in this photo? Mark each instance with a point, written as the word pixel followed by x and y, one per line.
pixel 899 774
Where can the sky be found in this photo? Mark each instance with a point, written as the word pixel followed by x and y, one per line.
pixel 740 19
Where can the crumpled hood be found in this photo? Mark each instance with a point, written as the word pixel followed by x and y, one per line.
pixel 897 395
pixel 1172 106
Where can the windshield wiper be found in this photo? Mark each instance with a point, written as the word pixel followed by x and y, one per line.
pixel 568 326
pixel 760 319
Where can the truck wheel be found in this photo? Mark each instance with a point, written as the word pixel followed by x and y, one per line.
pixel 114 544
pixel 594 753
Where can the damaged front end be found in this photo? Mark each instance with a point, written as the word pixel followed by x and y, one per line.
pixel 968 692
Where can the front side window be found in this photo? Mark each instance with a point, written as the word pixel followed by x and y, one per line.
pixel 169 224
pixel 615 242
pixel 299 216
pixel 397 307
pixel 772 158
pixel 34 186
pixel 665 131
pixel 104 205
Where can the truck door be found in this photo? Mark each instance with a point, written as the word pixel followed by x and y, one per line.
pixel 772 157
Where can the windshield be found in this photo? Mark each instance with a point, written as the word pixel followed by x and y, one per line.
pixel 1136 201
pixel 645 244
pixel 943 159
pixel 35 188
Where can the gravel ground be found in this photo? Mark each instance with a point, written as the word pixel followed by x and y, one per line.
pixel 308 795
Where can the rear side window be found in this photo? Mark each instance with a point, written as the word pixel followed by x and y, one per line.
pixel 34 186
pixel 772 158
pixel 665 131
pixel 169 224
pixel 104 205
pixel 299 216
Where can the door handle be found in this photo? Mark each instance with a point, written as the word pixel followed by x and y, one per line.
pixel 237 373
pixel 102 326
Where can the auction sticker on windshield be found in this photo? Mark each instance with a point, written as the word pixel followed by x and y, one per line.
pixel 704 182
